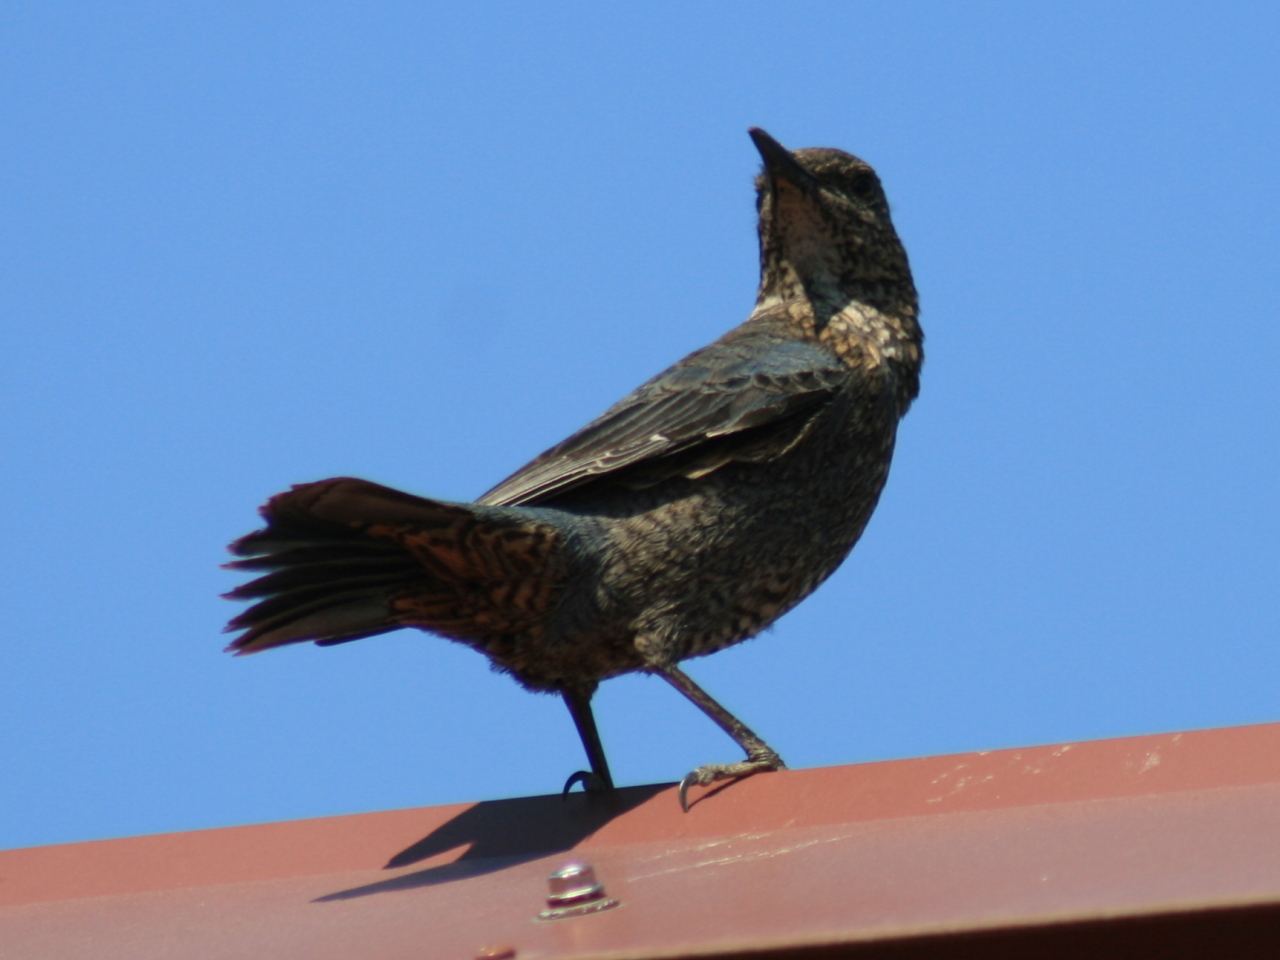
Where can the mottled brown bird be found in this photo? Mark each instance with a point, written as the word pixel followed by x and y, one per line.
pixel 688 517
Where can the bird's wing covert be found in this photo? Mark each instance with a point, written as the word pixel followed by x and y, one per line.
pixel 731 386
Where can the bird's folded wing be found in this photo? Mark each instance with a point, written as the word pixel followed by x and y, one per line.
pixel 735 387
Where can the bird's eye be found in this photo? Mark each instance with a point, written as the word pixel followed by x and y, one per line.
pixel 863 186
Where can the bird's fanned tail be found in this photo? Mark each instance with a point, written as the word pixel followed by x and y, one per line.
pixel 346 559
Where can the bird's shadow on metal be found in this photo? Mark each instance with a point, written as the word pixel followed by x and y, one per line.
pixel 502 833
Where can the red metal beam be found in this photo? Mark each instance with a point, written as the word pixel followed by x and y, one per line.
pixel 1103 848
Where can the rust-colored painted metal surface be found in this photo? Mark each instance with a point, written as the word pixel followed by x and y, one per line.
pixel 927 857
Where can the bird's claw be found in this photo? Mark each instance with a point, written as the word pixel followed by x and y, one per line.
pixel 591 782
pixel 727 771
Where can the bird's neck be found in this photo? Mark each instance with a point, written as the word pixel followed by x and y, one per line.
pixel 871 325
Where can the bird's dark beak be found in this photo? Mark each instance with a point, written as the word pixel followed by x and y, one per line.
pixel 778 160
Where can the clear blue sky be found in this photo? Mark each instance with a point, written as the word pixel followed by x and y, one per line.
pixel 251 244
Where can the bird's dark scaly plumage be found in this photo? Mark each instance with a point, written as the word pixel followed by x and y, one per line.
pixel 686 518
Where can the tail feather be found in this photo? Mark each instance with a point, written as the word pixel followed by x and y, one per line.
pixel 299 552
pixel 302 600
pixel 292 574
pixel 344 559
pixel 348 619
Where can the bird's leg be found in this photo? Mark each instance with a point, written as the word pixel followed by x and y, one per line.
pixel 598 778
pixel 760 756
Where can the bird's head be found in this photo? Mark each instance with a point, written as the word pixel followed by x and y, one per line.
pixel 825 231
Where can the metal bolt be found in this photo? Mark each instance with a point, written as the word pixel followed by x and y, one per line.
pixel 574 890
pixel 573 883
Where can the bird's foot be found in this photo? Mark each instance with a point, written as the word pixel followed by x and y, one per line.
pixel 759 763
pixel 591 782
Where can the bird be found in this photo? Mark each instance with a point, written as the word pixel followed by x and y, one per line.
pixel 688 517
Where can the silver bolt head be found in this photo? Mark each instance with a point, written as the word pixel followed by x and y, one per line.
pixel 573 883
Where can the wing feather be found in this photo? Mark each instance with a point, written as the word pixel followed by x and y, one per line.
pixel 744 382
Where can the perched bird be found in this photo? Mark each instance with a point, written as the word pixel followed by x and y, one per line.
pixel 688 517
